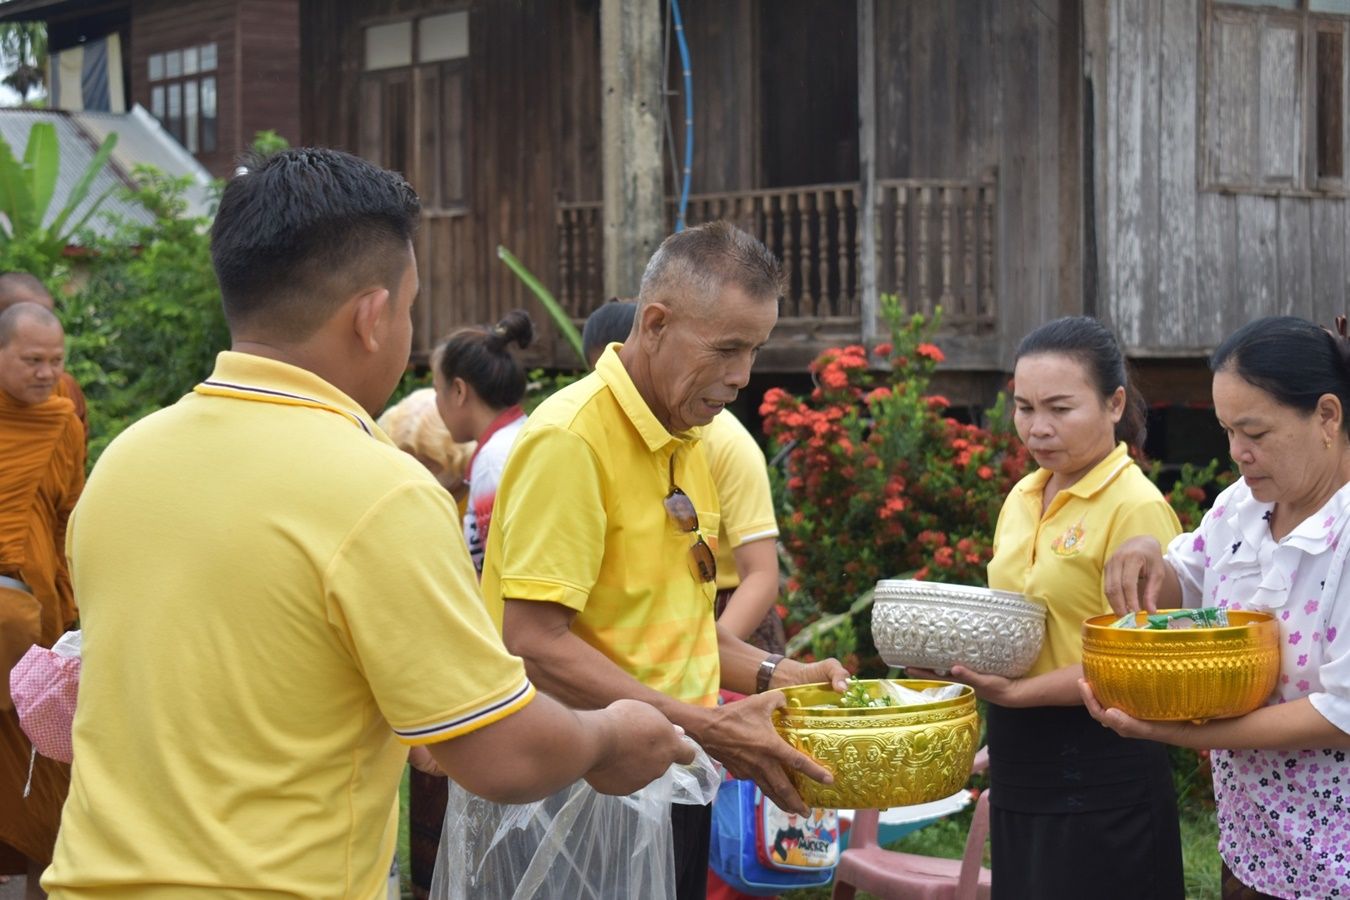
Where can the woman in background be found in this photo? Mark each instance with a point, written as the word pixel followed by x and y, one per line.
pixel 479 386
pixel 1075 810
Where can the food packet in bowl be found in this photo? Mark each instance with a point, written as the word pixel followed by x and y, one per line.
pixel 1204 617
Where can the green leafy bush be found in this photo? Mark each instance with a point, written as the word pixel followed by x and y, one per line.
pixel 147 324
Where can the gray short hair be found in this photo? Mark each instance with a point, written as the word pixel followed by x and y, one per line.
pixel 702 260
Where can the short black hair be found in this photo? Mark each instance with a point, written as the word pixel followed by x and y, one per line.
pixel 297 232
pixel 1092 345
pixel 1293 360
pixel 609 324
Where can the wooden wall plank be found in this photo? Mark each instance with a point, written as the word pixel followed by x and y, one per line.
pixel 1129 247
pixel 1216 268
pixel 1042 216
pixel 1328 251
pixel 1175 303
pixel 1147 323
pixel 1258 262
pixel 1294 289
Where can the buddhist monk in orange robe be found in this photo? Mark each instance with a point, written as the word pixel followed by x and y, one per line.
pixel 20 287
pixel 41 474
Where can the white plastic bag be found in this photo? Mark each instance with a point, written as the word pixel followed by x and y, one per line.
pixel 576 845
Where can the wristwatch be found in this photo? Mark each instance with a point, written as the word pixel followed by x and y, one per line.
pixel 766 670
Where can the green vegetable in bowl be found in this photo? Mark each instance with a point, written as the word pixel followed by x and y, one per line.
pixel 857 697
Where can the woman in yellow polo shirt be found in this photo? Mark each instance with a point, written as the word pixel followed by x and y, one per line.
pixel 1075 810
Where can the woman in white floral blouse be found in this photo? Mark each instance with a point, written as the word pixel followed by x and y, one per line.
pixel 1277 541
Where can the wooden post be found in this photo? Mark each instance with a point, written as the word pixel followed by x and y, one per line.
pixel 630 54
pixel 867 169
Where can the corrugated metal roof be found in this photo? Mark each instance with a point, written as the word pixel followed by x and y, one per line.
pixel 78 135
pixel 141 140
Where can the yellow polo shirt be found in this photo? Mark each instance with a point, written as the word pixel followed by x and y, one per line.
pixel 579 520
pixel 1058 558
pixel 275 602
pixel 742 479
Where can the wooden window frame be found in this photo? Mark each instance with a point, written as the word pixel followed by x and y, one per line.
pixel 196 144
pixel 1307 182
pixel 376 143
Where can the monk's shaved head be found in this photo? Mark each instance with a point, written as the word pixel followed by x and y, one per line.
pixel 15 315
pixel 32 353
pixel 20 287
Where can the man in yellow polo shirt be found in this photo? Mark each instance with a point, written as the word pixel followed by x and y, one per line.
pixel 277 602
pixel 747 552
pixel 600 563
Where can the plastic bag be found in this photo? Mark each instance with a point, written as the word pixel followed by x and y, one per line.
pixel 45 685
pixel 574 845
pixel 906 696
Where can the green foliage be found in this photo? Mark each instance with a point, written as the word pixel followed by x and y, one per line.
pixel 26 190
pixel 543 384
pixel 265 143
pixel 148 323
pixel 23 54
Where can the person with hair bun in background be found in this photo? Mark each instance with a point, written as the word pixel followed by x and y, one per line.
pixel 1275 541
pixel 479 386
pixel 1073 808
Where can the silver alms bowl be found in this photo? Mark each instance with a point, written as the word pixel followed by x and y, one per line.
pixel 936 626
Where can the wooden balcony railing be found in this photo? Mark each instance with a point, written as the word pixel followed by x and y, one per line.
pixel 934 244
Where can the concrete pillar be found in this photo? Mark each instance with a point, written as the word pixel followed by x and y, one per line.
pixel 630 53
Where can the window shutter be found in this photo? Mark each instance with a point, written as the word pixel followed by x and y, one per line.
pixel 1279 120
pixel 1232 100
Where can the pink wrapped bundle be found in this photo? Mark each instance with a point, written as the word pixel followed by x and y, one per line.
pixel 45 685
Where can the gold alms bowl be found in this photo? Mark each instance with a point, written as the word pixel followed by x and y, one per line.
pixel 880 757
pixel 1191 674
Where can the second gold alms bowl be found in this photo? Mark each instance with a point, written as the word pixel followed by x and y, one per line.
pixel 880 756
pixel 1191 674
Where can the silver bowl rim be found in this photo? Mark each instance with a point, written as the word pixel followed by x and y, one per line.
pixel 995 601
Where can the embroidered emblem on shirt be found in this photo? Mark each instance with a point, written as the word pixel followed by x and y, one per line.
pixel 1070 542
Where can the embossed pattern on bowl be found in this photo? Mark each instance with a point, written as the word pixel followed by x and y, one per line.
pixel 881 757
pixel 935 626
pixel 1188 674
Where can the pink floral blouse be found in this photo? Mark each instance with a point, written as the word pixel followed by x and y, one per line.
pixel 1284 817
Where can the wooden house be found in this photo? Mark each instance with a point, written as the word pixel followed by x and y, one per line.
pixel 1173 166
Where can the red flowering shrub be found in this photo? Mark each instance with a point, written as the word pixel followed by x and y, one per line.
pixel 880 482
pixel 1195 489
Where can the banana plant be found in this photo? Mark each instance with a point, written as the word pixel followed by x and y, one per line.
pixel 27 187
pixel 554 308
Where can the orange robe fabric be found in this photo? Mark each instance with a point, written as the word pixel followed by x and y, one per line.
pixel 69 388
pixel 41 476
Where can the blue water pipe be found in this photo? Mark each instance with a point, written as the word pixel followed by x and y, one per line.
pixel 688 114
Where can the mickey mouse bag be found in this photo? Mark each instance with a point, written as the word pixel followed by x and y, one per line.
pixel 759 849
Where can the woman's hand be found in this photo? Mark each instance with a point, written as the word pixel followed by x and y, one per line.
pixel 1126 725
pixel 1136 577
pixel 993 688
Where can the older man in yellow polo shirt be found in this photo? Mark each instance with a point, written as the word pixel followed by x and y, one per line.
pixel 277 602
pixel 600 562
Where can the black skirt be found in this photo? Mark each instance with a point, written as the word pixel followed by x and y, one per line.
pixel 1078 811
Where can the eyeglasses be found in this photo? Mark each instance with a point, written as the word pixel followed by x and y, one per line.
pixel 702 562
